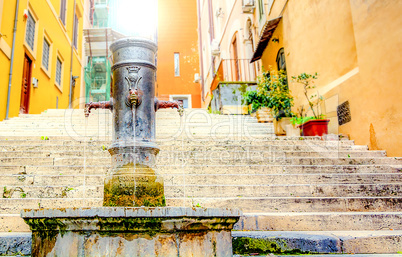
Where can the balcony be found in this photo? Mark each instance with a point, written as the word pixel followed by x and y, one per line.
pixel 228 82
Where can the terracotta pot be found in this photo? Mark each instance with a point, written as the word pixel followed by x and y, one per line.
pixel 264 115
pixel 314 128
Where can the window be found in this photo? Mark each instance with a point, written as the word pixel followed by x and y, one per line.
pixel 30 31
pixel 261 7
pixel 176 64
pixel 63 11
pixel 58 71
pixel 45 54
pixel 280 59
pixel 75 35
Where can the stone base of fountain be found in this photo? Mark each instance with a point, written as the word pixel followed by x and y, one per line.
pixel 130 187
pixel 128 231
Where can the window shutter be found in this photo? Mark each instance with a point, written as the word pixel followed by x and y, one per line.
pixel 58 72
pixel 30 31
pixel 63 11
pixel 45 54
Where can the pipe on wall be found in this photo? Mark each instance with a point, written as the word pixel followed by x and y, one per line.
pixel 70 96
pixel 12 58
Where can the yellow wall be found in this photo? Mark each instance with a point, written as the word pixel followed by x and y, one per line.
pixel 349 44
pixel 48 24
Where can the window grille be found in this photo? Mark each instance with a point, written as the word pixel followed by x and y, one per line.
pixel 63 11
pixel 58 72
pixel 45 54
pixel 30 31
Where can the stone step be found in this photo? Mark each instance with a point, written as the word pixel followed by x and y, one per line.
pixel 225 158
pixel 204 169
pixel 95 190
pixel 199 153
pixel 246 204
pixel 244 141
pixel 295 204
pixel 79 148
pixel 238 180
pixel 328 242
pixel 317 221
pixel 320 221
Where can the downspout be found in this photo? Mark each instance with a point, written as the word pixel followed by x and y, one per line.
pixel 201 55
pixel 12 59
pixel 71 62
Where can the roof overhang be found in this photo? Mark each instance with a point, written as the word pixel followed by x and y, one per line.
pixel 266 35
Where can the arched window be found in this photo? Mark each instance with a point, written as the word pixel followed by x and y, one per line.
pixel 280 60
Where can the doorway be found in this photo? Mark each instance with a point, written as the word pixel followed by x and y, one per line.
pixel 26 85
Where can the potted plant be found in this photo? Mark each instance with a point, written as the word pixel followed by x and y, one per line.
pixel 258 102
pixel 279 99
pixel 315 125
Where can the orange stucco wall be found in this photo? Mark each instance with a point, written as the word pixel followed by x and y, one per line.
pixel 178 33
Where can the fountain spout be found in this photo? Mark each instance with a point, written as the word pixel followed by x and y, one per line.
pixel 97 105
pixel 169 104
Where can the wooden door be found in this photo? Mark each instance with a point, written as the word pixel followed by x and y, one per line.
pixel 26 85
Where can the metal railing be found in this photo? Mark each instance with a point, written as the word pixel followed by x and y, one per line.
pixel 235 70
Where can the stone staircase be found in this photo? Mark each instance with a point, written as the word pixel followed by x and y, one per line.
pixel 297 194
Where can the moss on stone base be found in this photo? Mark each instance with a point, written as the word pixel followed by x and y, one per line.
pixel 134 188
pixel 246 245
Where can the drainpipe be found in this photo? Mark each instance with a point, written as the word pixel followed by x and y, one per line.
pixel 71 62
pixel 201 56
pixel 12 58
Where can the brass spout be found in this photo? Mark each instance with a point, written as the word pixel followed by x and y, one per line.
pixel 97 105
pixel 134 99
pixel 169 104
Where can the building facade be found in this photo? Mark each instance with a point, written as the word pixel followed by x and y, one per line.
pixel 178 53
pixel 46 55
pixel 354 47
pixel 228 32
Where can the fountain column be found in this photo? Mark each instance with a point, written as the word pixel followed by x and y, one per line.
pixel 132 180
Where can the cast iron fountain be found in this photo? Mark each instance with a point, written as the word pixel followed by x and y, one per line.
pixel 133 220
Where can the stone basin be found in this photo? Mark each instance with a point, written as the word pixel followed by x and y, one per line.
pixel 131 231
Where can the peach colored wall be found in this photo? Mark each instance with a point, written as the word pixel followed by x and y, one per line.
pixel 376 117
pixel 346 42
pixel 178 33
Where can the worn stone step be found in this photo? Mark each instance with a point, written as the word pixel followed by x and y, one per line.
pixel 246 204
pixel 295 204
pixel 225 158
pixel 95 190
pixel 298 241
pixel 320 221
pixel 204 169
pixel 44 147
pixel 102 152
pixel 244 141
pixel 328 242
pixel 175 176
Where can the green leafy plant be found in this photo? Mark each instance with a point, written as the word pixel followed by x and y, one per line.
pixel 272 92
pixel 23 195
pixel 44 138
pixel 307 80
